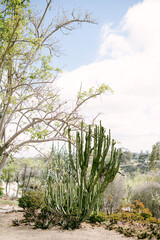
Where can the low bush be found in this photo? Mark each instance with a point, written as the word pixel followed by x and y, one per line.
pixel 31 199
pixel 136 212
pixel 32 202
pixel 41 215
pixel 146 193
pixel 136 222
pixel 97 218
pixel 114 194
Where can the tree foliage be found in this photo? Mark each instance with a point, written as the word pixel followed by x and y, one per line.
pixel 155 155
pixel 30 107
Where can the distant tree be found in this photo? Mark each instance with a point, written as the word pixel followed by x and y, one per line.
pixel 143 156
pixel 30 107
pixel 8 174
pixel 26 172
pixel 155 155
pixel 135 155
pixel 126 157
pixel 29 173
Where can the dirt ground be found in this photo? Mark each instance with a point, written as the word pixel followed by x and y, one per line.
pixel 87 232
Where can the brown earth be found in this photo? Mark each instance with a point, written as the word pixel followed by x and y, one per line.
pixel 86 232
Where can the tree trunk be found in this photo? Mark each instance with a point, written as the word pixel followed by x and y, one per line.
pixel 3 162
pixel 7 188
pixel 17 181
pixel 24 179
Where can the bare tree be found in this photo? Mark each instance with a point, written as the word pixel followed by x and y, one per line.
pixel 30 107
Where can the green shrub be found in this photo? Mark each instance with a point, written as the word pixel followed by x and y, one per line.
pixel 145 193
pixel 137 222
pixel 31 199
pixel 100 217
pixel 113 195
pixel 94 218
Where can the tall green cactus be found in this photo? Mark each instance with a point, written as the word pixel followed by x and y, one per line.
pixel 85 175
pixel 96 164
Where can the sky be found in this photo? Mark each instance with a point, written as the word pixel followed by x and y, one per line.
pixel 122 51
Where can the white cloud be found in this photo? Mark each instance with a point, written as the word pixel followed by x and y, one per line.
pixel 138 31
pixel 113 44
pixel 129 61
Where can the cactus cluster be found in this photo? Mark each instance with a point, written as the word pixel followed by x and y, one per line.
pixel 86 174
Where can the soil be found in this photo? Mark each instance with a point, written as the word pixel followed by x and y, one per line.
pixel 86 232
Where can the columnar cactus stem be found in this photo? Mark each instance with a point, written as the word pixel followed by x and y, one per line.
pixel 92 166
pixel 79 181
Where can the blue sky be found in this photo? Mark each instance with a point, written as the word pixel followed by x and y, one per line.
pixel 81 46
pixel 122 51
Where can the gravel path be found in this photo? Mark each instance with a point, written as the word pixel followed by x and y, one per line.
pixel 87 232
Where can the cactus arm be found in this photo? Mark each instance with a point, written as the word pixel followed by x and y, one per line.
pixel 70 152
pixel 87 153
